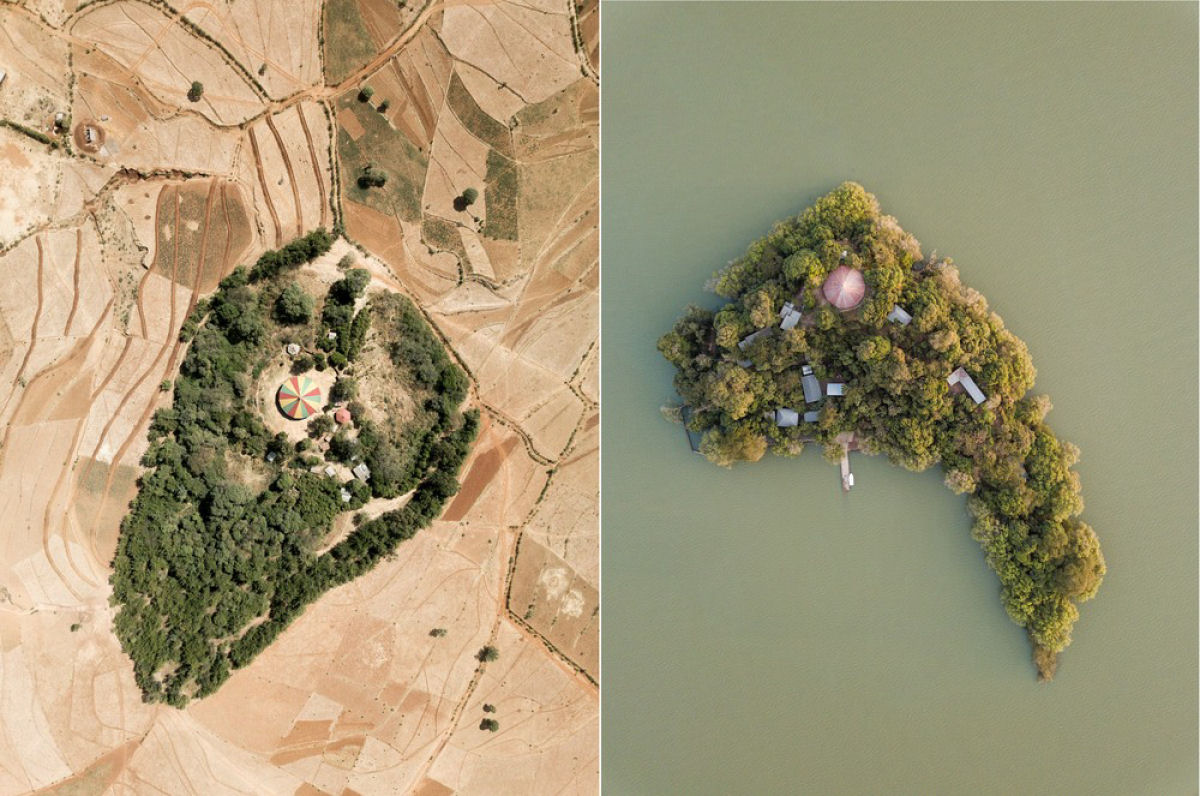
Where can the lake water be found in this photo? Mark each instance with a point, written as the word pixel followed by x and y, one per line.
pixel 763 631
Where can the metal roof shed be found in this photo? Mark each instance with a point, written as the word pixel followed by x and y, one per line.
pixel 960 376
pixel 835 388
pixel 898 315
pixel 812 387
pixel 790 316
pixel 786 418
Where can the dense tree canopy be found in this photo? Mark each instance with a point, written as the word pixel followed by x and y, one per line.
pixel 217 554
pixel 1024 497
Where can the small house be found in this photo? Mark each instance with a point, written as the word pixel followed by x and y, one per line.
pixel 786 418
pixel 812 416
pixel 331 335
pixel 750 338
pixel 271 456
pixel 3 75
pixel 961 377
pixel 835 388
pixel 812 387
pixel 362 472
pixel 790 316
pixel 330 471
pixel 345 493
pixel 899 315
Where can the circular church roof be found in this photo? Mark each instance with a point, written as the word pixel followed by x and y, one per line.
pixel 299 397
pixel 844 288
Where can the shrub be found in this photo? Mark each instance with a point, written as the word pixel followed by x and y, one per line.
pixel 196 91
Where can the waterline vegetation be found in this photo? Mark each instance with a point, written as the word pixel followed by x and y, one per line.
pixel 902 347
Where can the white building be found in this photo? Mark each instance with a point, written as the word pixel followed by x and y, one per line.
pixel 898 315
pixel 790 316
pixel 960 376
pixel 362 472
pixel 835 388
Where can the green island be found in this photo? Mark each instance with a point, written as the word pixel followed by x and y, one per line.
pixel 838 332
pixel 314 426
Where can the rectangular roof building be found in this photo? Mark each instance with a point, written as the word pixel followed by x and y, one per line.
pixel 790 316
pixel 361 471
pixel 786 418
pixel 812 387
pixel 960 376
pixel 812 417
pixel 835 388
pixel 898 315
pixel 750 338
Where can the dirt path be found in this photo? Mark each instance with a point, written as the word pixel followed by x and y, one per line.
pixel 312 154
pixel 37 314
pixel 287 164
pixel 172 340
pixel 75 294
pixel 262 179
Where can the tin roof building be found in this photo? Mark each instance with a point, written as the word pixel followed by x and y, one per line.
pixel 961 377
pixel 812 387
pixel 786 418
pixel 898 315
pixel 790 316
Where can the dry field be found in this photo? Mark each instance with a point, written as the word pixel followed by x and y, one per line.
pixel 104 254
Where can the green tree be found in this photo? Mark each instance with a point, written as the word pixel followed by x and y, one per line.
pixel 344 389
pixel 196 91
pixel 293 306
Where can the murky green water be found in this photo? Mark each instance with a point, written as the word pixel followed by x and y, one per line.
pixel 765 633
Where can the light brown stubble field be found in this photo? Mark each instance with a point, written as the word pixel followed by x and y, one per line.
pixel 105 253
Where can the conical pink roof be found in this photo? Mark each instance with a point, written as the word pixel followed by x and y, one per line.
pixel 844 288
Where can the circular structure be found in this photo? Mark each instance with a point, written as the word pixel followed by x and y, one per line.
pixel 844 288
pixel 342 416
pixel 89 136
pixel 298 397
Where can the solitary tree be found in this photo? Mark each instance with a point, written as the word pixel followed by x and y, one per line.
pixel 372 177
pixel 465 199
pixel 365 94
pixel 196 91
pixel 319 426
pixel 383 106
pixel 487 653
pixel 491 725
pixel 344 389
pixel 293 305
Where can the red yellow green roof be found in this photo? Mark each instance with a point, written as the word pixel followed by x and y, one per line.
pixel 299 397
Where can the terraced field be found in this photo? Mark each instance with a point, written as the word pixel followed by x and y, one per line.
pixel 105 253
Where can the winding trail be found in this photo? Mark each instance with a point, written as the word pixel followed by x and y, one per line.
pixel 287 164
pixel 262 179
pixel 172 341
pixel 37 315
pixel 75 294
pixel 312 155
